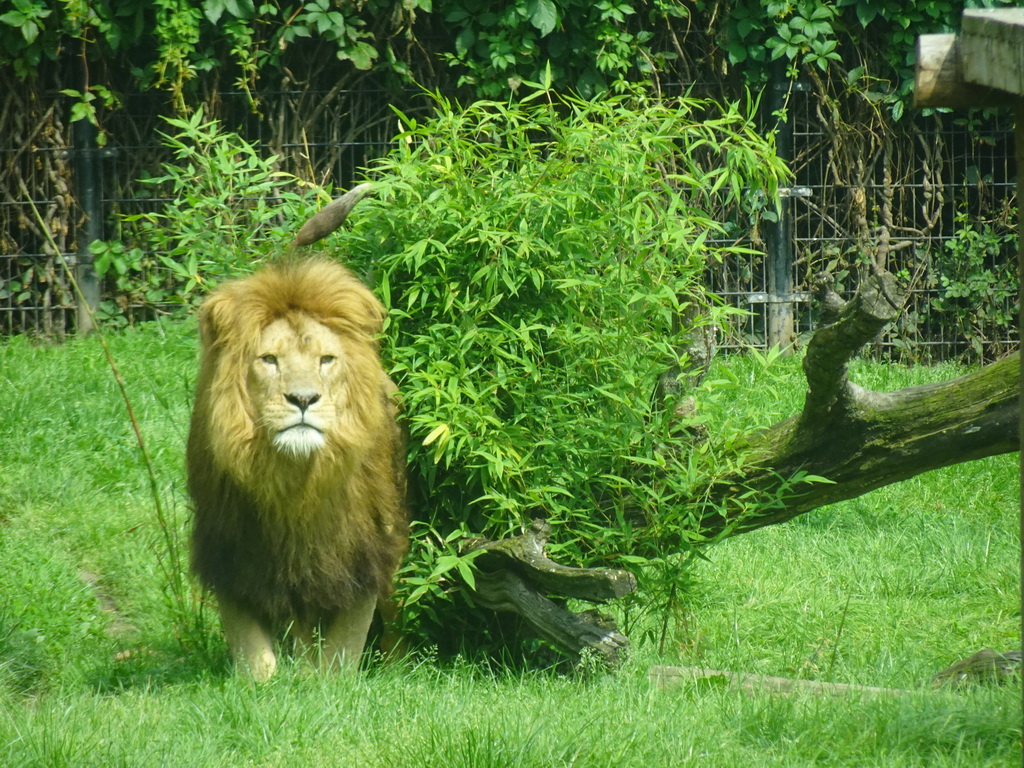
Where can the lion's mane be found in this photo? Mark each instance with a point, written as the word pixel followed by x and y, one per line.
pixel 286 538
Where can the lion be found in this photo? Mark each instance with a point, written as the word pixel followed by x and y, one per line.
pixel 296 464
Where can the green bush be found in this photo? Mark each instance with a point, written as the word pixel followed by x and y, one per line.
pixel 538 261
pixel 975 275
pixel 226 206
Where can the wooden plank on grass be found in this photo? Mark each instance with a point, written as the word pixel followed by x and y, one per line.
pixel 672 677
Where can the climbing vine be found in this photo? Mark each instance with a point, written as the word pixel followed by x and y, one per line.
pixel 865 45
pixel 493 47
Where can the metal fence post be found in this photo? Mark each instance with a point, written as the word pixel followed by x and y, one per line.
pixel 87 188
pixel 779 309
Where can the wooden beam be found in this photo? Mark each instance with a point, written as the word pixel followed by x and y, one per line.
pixel 939 77
pixel 992 48
pixel 672 677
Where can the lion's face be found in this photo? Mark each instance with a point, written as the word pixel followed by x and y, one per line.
pixel 297 384
pixel 290 372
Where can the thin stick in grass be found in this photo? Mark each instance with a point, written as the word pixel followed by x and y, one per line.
pixel 173 565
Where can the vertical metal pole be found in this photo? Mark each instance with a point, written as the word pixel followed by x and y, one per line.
pixel 779 235
pixel 87 187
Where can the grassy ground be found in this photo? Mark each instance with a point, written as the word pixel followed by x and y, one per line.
pixel 884 591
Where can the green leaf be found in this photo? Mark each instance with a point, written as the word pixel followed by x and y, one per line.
pixel 362 55
pixel 441 430
pixel 745 26
pixel 465 41
pixel 82 110
pixel 737 53
pixel 546 79
pixel 543 15
pixel 824 11
pixel 467 574
pixel 240 9
pixel 213 10
pixel 14 18
pixel 866 13
pixel 30 31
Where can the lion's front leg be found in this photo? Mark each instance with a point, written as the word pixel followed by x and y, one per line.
pixel 344 637
pixel 250 643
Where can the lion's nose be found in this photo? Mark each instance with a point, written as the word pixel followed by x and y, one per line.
pixel 303 400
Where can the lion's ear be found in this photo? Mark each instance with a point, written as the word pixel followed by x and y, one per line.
pixel 214 316
pixel 364 309
pixel 376 314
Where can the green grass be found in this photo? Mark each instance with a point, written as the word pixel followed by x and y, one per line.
pixel 883 590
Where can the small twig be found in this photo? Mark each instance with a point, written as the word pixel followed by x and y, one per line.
pixel 665 618
pixel 839 634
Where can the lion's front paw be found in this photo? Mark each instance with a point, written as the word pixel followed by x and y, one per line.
pixel 259 666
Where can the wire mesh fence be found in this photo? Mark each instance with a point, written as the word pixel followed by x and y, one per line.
pixel 901 200
pixel 932 202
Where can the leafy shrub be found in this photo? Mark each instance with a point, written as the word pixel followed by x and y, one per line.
pixel 538 261
pixel 224 206
pixel 975 274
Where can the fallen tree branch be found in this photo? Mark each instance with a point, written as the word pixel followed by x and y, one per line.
pixel 985 666
pixel 671 677
pixel 859 440
pixel 515 575
pixel 571 632
pixel 524 555
pixel 876 305
pixel 877 439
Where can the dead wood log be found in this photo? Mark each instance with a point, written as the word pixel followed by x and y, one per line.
pixel 858 439
pixel 330 217
pixel 524 555
pixel 671 677
pixel 515 575
pixel 985 666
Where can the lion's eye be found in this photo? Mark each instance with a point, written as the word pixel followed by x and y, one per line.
pixel 269 359
pixel 327 359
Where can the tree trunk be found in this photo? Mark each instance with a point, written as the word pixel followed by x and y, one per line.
pixel 859 440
